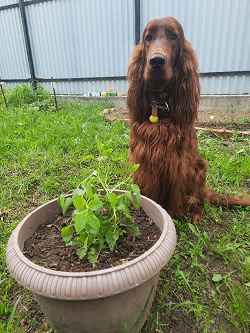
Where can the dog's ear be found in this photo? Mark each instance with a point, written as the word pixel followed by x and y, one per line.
pixel 136 93
pixel 186 90
pixel 136 65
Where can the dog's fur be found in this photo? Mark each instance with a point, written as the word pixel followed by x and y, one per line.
pixel 171 170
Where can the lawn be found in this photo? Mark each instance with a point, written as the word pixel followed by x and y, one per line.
pixel 205 287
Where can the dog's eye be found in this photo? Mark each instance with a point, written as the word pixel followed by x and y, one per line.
pixel 173 37
pixel 149 38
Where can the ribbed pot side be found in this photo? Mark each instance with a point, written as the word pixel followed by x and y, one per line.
pixel 107 301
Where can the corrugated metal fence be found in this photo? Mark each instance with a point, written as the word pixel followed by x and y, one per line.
pixel 85 45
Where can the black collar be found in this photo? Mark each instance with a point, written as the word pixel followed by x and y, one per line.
pixel 162 105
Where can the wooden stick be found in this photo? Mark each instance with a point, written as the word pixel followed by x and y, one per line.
pixel 54 92
pixel 3 95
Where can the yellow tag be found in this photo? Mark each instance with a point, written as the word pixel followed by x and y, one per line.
pixel 153 119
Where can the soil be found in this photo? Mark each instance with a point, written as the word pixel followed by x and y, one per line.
pixel 239 121
pixel 46 247
pixel 234 126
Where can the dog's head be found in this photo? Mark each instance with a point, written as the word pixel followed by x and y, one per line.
pixel 162 40
pixel 164 66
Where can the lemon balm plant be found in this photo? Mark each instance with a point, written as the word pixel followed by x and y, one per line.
pixel 100 216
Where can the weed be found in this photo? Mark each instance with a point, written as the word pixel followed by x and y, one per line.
pixel 12 324
pixel 25 94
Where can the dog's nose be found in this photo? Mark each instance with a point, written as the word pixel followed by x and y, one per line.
pixel 157 61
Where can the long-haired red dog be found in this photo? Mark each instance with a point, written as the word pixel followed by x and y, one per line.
pixel 165 89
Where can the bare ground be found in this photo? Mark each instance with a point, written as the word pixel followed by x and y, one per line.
pixel 239 121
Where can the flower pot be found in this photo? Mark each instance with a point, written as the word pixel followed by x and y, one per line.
pixel 112 300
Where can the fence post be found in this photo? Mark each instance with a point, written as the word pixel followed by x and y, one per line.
pixel 27 43
pixel 54 92
pixel 137 21
pixel 3 94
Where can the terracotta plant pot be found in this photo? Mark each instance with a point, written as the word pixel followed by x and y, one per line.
pixel 112 300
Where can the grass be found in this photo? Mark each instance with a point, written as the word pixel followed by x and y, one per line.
pixel 205 287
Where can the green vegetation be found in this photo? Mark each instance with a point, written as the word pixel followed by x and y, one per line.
pixel 89 227
pixel 205 287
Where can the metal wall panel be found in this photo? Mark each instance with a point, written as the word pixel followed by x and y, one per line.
pixel 8 2
pixel 218 31
pixel 225 85
pixel 77 39
pixel 95 38
pixel 13 58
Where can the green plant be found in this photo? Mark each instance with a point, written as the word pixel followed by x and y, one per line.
pixel 99 219
pixel 198 307
pixel 25 94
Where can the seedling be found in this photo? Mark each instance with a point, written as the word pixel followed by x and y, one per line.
pixel 100 218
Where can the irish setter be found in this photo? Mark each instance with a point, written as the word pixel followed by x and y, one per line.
pixel 165 82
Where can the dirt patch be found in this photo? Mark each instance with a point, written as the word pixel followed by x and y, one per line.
pixel 223 117
pixel 46 247
pixel 182 319
pixel 28 308
pixel 243 127
pixel 238 121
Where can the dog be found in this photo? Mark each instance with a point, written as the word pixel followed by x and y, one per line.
pixel 163 99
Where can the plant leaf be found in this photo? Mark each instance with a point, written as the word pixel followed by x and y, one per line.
pixel 137 192
pixel 88 157
pixel 93 223
pixel 100 146
pixel 67 233
pixel 116 159
pixel 134 167
pixel 78 191
pixel 83 238
pixel 80 222
pixel 68 202
pixel 247 260
pixel 79 202
pixel 111 197
pixel 102 158
pixel 123 206
pixel 61 200
pixel 217 278
pixel 206 239
pixel 93 255
pixel 120 171
pixel 64 203
pixel 95 205
pixel 129 195
pixel 90 190
pixel 134 229
pixel 111 239
pixel 81 252
pixel 107 152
